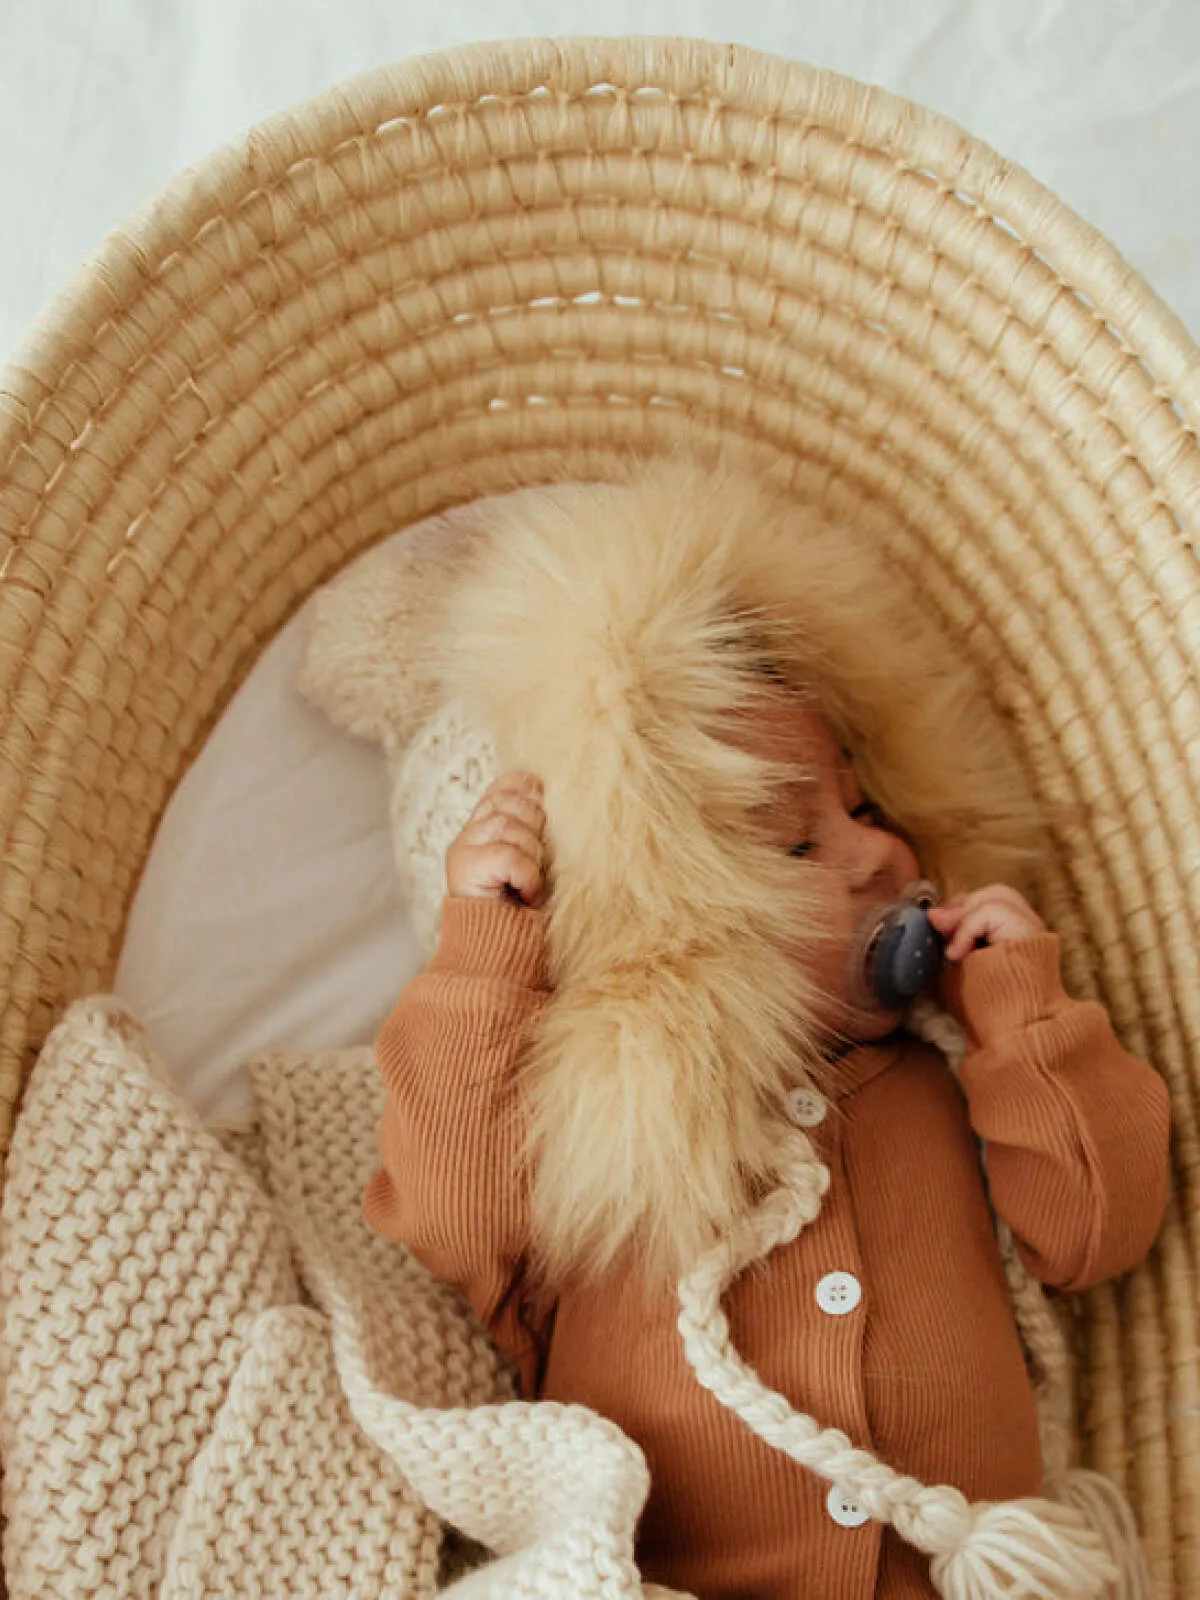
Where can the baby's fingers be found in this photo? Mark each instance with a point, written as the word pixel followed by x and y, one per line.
pixel 972 927
pixel 518 783
pixel 491 871
pixel 500 851
pixel 493 855
pixel 948 915
pixel 497 828
pixel 511 803
pixel 1007 911
pixel 995 922
pixel 502 867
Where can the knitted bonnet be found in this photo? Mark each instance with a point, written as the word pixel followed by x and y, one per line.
pixel 608 637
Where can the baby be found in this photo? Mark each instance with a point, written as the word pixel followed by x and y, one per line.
pixel 888 1316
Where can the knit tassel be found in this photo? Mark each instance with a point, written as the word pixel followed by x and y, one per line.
pixel 1031 1548
pixel 1105 1508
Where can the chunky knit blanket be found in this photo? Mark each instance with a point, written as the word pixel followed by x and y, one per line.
pixel 215 1380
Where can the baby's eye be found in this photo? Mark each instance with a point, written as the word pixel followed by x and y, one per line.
pixel 804 848
pixel 870 813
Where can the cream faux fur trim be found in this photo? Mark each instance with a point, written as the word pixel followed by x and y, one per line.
pixel 610 636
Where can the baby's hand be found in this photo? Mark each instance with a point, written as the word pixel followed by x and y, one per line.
pixel 499 854
pixel 991 916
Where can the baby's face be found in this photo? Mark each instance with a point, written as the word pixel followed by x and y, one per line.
pixel 826 819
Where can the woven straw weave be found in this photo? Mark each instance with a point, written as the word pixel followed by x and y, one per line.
pixel 515 262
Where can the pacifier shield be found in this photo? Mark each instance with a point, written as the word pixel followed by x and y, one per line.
pixel 898 951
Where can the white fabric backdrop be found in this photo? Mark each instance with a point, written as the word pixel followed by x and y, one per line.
pixel 267 915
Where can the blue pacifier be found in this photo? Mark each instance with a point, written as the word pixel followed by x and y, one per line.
pixel 897 951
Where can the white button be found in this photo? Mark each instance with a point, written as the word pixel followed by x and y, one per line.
pixel 838 1292
pixel 844 1509
pixel 805 1108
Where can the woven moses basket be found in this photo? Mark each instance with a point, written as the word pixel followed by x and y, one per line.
pixel 514 263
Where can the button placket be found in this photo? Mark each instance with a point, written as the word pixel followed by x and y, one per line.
pixel 837 1398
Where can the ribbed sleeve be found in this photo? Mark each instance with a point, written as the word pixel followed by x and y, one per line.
pixel 1077 1129
pixel 451 1185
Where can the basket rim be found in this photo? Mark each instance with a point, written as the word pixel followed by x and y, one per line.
pixel 734 75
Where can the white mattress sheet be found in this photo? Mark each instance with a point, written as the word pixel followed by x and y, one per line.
pixel 268 914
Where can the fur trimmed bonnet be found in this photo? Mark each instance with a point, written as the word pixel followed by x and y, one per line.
pixel 610 637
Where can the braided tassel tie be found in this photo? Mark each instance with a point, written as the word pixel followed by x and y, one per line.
pixel 984 1551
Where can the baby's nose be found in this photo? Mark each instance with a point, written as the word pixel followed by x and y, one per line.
pixel 879 862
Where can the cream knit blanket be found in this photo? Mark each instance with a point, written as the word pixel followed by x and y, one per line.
pixel 215 1380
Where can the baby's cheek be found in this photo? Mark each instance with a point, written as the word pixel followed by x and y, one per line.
pixel 831 972
pixel 825 964
pixel 837 1010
